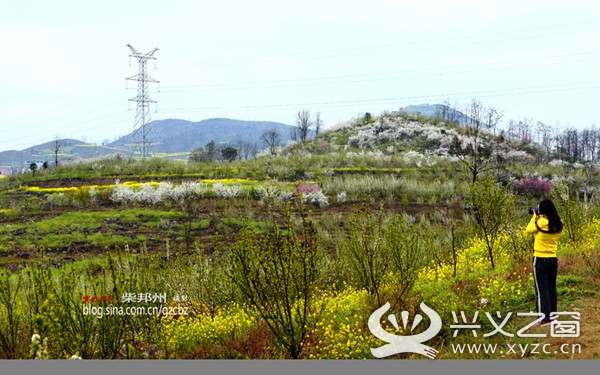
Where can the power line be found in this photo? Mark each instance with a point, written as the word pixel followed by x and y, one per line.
pixel 438 43
pixel 344 103
pixel 51 131
pixel 374 77
pixel 32 114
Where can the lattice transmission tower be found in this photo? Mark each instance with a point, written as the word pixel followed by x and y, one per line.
pixel 142 116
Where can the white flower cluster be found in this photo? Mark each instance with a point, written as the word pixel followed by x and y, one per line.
pixel 558 162
pixel 58 199
pixel 186 190
pixel 164 191
pixel 365 138
pixel 225 192
pixel 376 155
pixel 273 192
pixel 344 126
pixel 397 129
pixel 514 155
pixel 562 180
pixel 289 144
pixel 341 197
pixel 418 159
pixel 94 161
pixel 315 197
pixel 562 184
pixel 40 346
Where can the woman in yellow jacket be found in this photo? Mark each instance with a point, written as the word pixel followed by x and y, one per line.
pixel 546 226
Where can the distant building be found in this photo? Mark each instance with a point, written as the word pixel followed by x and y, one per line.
pixel 39 163
pixel 6 171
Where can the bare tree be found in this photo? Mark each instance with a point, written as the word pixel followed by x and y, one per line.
pixel 294 134
pixel 588 144
pixel 594 145
pixel 57 144
pixel 521 129
pixel 569 144
pixel 304 124
pixel 248 149
pixel 475 110
pixel 318 123
pixel 271 139
pixel 475 153
pixel 545 137
pixel 492 118
pixel 244 149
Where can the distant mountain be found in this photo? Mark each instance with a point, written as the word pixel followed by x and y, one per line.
pixel 176 136
pixel 173 137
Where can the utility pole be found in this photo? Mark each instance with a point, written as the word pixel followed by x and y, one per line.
pixel 142 116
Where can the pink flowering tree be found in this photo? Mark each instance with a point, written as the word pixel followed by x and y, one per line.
pixel 533 186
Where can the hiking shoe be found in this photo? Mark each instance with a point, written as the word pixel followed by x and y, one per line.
pixel 543 324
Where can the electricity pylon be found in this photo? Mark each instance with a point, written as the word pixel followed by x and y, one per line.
pixel 143 100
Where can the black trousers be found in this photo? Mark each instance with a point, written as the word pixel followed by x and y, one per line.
pixel 544 275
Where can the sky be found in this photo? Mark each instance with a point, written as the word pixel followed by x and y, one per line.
pixel 65 62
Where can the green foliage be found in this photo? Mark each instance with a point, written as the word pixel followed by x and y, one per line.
pixel 12 319
pixel 409 246
pixel 493 207
pixel 229 153
pixel 33 168
pixel 273 267
pixel 279 274
pixel 364 253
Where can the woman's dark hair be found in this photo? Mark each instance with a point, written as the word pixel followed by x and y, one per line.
pixel 547 208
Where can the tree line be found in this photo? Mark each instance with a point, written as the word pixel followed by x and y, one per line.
pixel 305 126
pixel 213 151
pixel 557 142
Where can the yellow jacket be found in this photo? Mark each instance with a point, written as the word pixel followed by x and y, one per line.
pixel 545 244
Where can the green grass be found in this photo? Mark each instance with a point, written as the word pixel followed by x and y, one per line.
pixel 235 224
pixel 84 227
pixel 94 219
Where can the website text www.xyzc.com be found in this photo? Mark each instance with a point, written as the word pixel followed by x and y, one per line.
pixel 521 349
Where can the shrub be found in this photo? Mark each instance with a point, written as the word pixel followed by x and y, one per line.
pixel 279 274
pixel 378 248
pixel 493 206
